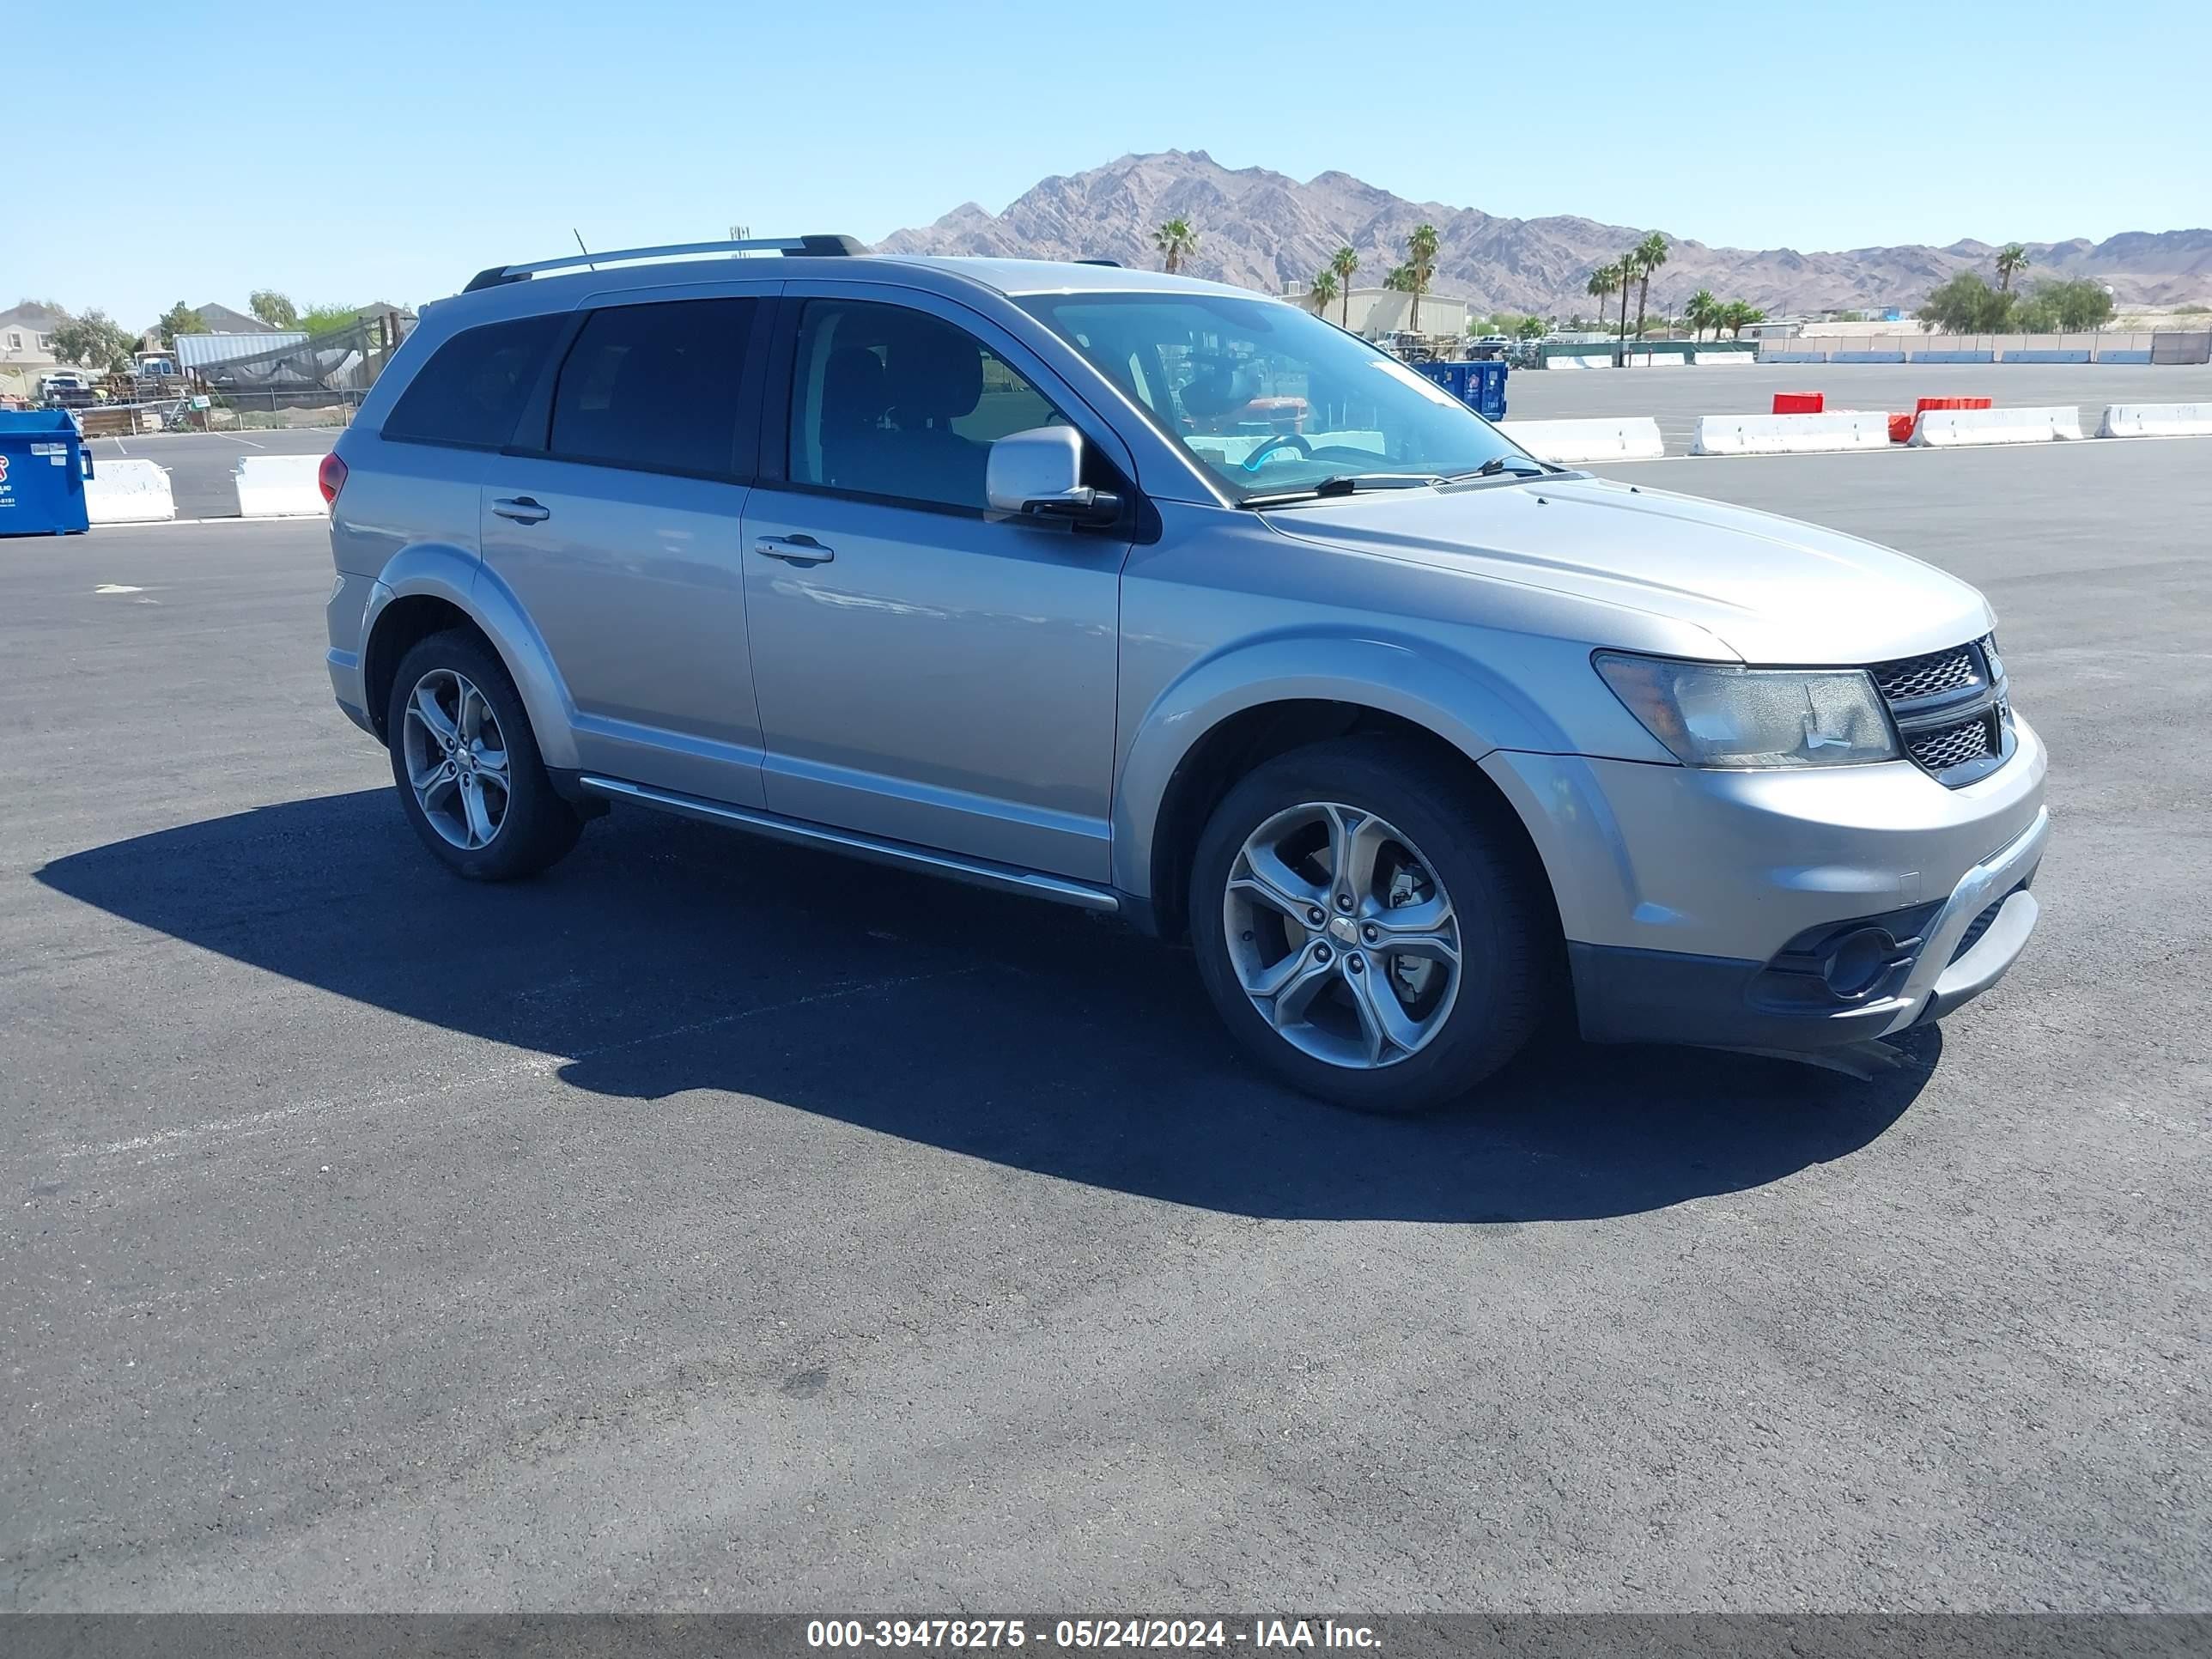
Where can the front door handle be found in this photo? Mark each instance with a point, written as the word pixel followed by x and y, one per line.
pixel 794 549
pixel 522 510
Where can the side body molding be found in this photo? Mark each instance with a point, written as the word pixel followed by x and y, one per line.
pixel 1459 699
pixel 441 571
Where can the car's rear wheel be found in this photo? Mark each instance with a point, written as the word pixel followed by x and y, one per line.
pixel 467 767
pixel 1365 926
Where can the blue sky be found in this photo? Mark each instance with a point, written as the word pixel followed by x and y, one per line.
pixel 442 138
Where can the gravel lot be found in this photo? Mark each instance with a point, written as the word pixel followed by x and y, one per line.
pixel 712 1225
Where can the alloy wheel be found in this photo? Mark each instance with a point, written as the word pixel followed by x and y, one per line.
pixel 456 758
pixel 1342 935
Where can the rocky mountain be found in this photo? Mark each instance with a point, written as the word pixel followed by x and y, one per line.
pixel 1262 229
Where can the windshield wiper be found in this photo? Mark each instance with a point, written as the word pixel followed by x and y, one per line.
pixel 1498 464
pixel 1346 484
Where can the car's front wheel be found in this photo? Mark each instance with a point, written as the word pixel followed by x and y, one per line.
pixel 466 763
pixel 1365 927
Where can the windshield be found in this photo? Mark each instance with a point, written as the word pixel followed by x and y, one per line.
pixel 1272 400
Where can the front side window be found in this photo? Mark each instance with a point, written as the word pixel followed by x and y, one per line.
pixel 654 386
pixel 890 402
pixel 1271 399
pixel 471 391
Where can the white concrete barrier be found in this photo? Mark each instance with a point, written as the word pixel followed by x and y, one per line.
pixel 2155 421
pixel 1621 438
pixel 128 492
pixel 1791 435
pixel 1580 360
pixel 1724 359
pixel 1940 429
pixel 279 486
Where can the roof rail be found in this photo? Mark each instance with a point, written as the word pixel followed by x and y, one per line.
pixel 1117 263
pixel 804 247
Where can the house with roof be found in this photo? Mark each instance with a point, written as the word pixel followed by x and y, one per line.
pixel 26 354
pixel 222 320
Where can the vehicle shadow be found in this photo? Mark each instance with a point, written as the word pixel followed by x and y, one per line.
pixel 665 956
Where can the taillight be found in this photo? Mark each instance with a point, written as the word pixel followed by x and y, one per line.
pixel 329 478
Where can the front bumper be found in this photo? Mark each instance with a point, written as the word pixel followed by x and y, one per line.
pixel 1628 995
pixel 1710 907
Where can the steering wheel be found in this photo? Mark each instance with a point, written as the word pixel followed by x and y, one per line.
pixel 1280 440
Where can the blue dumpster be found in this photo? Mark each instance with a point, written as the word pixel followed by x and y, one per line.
pixel 43 467
pixel 1480 386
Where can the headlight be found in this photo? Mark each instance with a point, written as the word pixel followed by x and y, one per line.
pixel 1711 715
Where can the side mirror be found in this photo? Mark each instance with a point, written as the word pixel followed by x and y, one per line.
pixel 1039 473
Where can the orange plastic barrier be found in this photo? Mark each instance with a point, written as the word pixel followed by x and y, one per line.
pixel 1800 402
pixel 1900 426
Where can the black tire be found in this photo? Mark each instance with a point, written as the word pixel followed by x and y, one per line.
pixel 1503 922
pixel 538 828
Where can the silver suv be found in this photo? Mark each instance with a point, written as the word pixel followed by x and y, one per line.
pixel 1173 602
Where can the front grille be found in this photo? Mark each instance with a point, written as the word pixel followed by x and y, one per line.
pixel 1952 745
pixel 1950 709
pixel 1928 676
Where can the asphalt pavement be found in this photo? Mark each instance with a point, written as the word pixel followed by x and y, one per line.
pixel 715 1224
pixel 200 464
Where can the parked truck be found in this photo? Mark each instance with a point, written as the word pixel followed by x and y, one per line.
pixel 66 392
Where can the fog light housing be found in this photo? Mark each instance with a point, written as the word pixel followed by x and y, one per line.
pixel 1844 965
pixel 1858 961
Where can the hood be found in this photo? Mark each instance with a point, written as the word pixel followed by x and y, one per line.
pixel 1772 590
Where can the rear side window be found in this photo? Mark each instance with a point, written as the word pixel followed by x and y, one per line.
pixel 473 388
pixel 655 387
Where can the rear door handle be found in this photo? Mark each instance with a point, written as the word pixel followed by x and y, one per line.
pixel 794 549
pixel 522 510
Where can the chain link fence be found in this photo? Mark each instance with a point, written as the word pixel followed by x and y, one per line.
pixel 318 381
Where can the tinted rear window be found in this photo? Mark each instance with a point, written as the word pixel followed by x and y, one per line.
pixel 655 386
pixel 473 388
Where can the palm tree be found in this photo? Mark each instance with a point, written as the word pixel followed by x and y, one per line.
pixel 1176 241
pixel 1421 266
pixel 1341 264
pixel 1324 290
pixel 1699 312
pixel 2011 257
pixel 1602 284
pixel 1650 254
pixel 1626 269
pixel 1736 316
